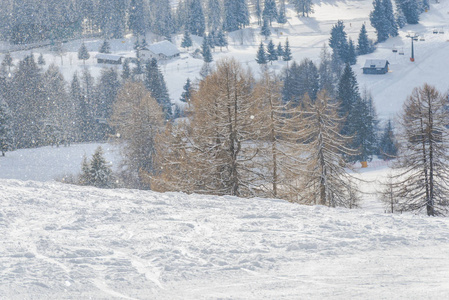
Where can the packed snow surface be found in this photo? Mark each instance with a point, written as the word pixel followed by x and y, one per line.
pixel 68 242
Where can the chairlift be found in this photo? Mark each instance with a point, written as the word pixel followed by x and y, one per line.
pixel 401 52
pixel 441 31
pixel 415 38
pixel 394 50
pixel 435 31
pixel 422 39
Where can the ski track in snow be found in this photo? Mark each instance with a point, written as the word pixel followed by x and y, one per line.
pixel 68 242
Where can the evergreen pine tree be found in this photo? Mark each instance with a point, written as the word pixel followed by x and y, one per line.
pixel 287 55
pixel 338 42
pixel 85 177
pixel 411 10
pixel 280 51
pixel 379 21
pixel 261 57
pixel 282 18
pixel 83 53
pixel 242 13
pixel 186 94
pixel 221 39
pixel 363 46
pixel 352 55
pixel 400 17
pixel 272 52
pixel 214 22
pixel 304 7
pixel 205 51
pixel 196 23
pixel 155 83
pixel 186 40
pixel 258 11
pixel 270 11
pixel 126 70
pixel 136 19
pixel 265 30
pixel 100 172
pixel 5 127
pixel 348 95
pixel 105 47
pixel 41 60
pixel 7 61
pixel 211 40
pixel 388 148
pixel 390 19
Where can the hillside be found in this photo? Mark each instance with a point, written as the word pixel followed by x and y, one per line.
pixel 307 37
pixel 67 242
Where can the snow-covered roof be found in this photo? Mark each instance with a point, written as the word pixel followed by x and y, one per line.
pixel 375 63
pixel 165 47
pixel 108 56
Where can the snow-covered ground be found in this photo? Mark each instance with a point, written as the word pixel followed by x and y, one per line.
pixel 307 37
pixel 68 242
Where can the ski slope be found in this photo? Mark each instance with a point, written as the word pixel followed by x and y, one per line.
pixel 68 242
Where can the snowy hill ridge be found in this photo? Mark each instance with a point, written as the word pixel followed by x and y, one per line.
pixel 69 242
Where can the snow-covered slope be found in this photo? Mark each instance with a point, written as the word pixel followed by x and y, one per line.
pixel 68 242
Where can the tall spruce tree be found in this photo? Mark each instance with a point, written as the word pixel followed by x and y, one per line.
pixel 270 11
pixel 390 18
pixel 352 55
pixel 83 54
pixel 338 42
pixel 221 40
pixel 196 22
pixel 272 52
pixel 5 127
pixel 214 15
pixel 261 57
pixel 411 10
pixel 155 83
pixel 105 47
pixel 186 40
pixel 287 52
pixel 348 96
pixel 363 45
pixel 282 17
pixel 265 29
pixel 100 173
pixel 136 18
pixel 388 146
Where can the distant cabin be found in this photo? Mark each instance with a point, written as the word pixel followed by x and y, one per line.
pixel 103 58
pixel 161 51
pixel 376 66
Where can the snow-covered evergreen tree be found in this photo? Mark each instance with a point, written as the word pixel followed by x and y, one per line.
pixel 100 172
pixel 186 93
pixel 83 53
pixel 272 52
pixel 105 47
pixel 196 22
pixel 352 55
pixel 5 127
pixel 205 51
pixel 363 45
pixel 265 29
pixel 126 70
pixel 338 42
pixel 261 57
pixel 214 15
pixel 136 18
pixel 304 7
pixel 270 11
pixel 280 50
pixel 348 95
pixel 388 145
pixel 390 18
pixel 155 83
pixel 401 21
pixel 41 60
pixel 186 40
pixel 287 56
pixel 221 40
pixel 411 10
pixel 282 18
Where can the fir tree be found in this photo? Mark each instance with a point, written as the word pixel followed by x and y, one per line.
pixel 155 83
pixel 205 51
pixel 41 60
pixel 105 47
pixel 390 19
pixel 304 7
pixel 265 30
pixel 282 18
pixel 85 177
pixel 211 40
pixel 214 22
pixel 8 61
pixel 136 19
pixel 280 50
pixel 348 95
pixel 270 12
pixel 258 11
pixel 363 46
pixel 338 42
pixel 287 55
pixel 411 10
pixel 272 52
pixel 221 39
pixel 388 148
pixel 261 57
pixel 5 127
pixel 83 53
pixel 186 94
pixel 126 70
pixel 352 55
pixel 236 15
pixel 186 40
pixel 379 21
pixel 100 173
pixel 196 23
pixel 400 17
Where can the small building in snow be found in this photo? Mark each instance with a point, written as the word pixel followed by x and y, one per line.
pixel 375 66
pixel 161 51
pixel 103 58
